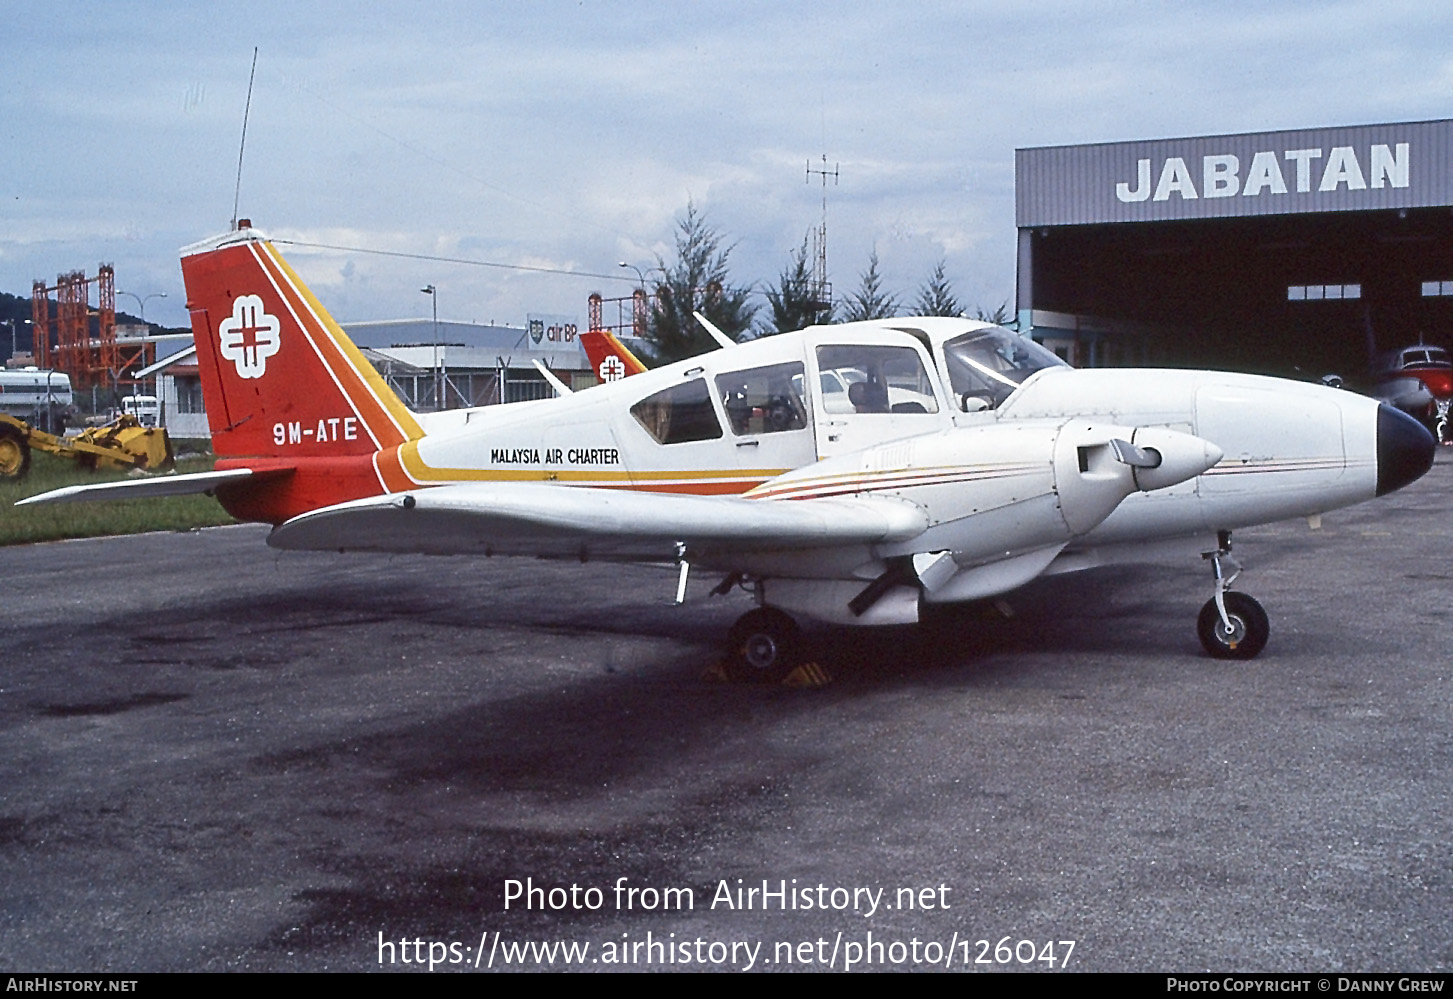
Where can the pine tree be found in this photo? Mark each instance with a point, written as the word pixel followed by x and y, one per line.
pixel 936 297
pixel 998 317
pixel 696 281
pixel 869 301
pixel 794 301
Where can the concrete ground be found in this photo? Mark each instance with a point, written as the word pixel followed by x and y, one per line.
pixel 216 756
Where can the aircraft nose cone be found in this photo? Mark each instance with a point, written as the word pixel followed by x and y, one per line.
pixel 1404 449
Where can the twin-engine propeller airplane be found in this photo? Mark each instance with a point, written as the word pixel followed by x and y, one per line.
pixel 845 473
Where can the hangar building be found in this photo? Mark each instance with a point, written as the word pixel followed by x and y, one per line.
pixel 1297 252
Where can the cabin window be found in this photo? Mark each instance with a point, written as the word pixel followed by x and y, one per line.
pixel 679 414
pixel 861 378
pixel 764 400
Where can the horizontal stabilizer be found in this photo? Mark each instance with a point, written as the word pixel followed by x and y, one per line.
pixel 156 485
pixel 529 518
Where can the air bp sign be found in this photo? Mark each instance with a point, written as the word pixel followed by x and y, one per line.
pixel 552 332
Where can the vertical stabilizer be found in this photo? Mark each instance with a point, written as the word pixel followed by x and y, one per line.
pixel 610 358
pixel 280 378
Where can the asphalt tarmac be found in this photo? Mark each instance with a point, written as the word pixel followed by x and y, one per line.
pixel 217 756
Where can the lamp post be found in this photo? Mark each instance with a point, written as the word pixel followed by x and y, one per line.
pixel 141 306
pixel 639 276
pixel 432 292
pixel 141 302
pixel 11 324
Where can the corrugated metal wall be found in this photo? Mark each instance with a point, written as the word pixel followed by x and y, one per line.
pixel 1355 168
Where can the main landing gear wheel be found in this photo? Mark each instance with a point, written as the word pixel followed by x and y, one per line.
pixel 14 453
pixel 1249 627
pixel 764 646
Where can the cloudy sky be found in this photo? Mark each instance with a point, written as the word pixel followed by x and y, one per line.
pixel 572 135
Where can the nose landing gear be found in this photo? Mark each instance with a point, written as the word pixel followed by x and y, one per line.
pixel 1231 625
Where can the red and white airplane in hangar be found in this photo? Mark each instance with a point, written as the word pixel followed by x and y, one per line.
pixel 845 473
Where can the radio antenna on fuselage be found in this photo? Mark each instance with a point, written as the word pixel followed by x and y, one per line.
pixel 242 146
pixel 722 340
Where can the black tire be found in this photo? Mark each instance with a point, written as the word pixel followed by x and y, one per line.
pixel 764 646
pixel 1250 628
pixel 14 453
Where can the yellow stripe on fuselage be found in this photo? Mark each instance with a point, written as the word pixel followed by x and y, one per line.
pixel 672 479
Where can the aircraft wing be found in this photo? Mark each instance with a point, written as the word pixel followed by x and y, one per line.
pixel 532 518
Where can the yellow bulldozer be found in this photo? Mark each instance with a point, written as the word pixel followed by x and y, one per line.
pixel 122 443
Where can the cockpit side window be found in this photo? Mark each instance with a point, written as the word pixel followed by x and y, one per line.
pixel 986 365
pixel 865 378
pixel 766 400
pixel 679 414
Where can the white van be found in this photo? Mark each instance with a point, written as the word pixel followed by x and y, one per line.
pixel 144 407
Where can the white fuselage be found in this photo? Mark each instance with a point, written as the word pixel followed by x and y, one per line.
pixel 1290 449
pixel 998 486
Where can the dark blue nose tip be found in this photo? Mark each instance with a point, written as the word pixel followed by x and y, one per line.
pixel 1404 449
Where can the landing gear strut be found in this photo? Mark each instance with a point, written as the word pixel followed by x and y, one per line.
pixel 764 646
pixel 1231 625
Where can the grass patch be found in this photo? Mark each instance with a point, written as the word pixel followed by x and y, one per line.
pixel 90 520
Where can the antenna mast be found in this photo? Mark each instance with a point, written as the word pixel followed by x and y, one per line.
pixel 821 287
pixel 242 146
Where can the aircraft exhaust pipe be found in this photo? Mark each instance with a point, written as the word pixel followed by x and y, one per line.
pixel 878 589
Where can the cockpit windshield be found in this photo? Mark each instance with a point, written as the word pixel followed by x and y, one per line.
pixel 986 365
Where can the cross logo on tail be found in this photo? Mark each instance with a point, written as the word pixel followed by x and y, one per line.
pixel 250 337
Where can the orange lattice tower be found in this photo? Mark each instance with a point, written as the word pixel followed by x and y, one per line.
pixel 105 358
pixel 90 359
pixel 40 323
pixel 73 337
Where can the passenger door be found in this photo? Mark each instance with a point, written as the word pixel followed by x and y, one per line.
pixel 769 418
pixel 871 392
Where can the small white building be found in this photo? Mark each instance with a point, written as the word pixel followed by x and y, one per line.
pixel 179 394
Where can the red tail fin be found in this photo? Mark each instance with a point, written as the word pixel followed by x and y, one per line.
pixel 608 356
pixel 280 377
